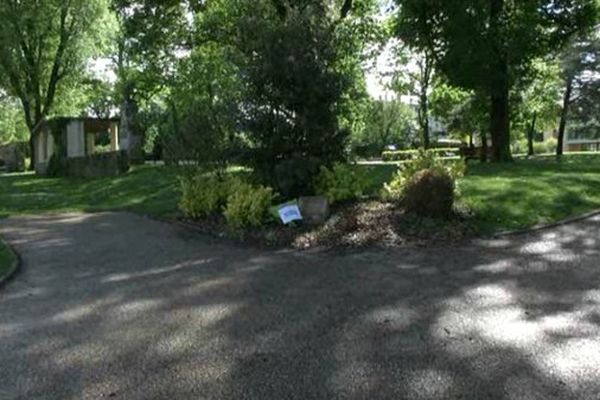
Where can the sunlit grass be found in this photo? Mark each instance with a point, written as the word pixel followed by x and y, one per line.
pixel 148 189
pixel 502 196
pixel 524 193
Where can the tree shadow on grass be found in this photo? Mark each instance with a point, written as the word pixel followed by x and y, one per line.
pixel 161 313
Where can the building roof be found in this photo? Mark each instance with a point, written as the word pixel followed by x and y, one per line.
pixel 84 119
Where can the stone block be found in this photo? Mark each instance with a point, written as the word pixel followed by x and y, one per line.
pixel 315 209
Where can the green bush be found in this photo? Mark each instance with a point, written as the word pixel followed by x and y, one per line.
pixel 425 160
pixel 248 206
pixel 429 193
pixel 407 155
pixel 201 195
pixel 342 182
pixel 548 146
pixel 204 194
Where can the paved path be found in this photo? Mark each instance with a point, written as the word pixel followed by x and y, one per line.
pixel 118 306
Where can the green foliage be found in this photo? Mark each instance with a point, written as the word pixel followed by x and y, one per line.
pixel 545 147
pixel 300 66
pixel 203 106
pixel 342 182
pixel 200 195
pixel 580 61
pixel 295 176
pixel 464 112
pixel 386 123
pixel 248 206
pixel 486 46
pixel 204 194
pixel 12 123
pixel 429 193
pixel 471 35
pixel 425 160
pixel 43 47
pixel 406 155
pixel 293 94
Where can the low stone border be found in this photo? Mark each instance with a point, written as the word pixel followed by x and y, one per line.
pixel 14 268
pixel 543 227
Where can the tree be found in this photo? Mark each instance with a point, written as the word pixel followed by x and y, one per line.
pixel 580 66
pixel 537 98
pixel 42 45
pixel 486 45
pixel 388 122
pixel 12 124
pixel 298 62
pixel 415 77
pixel 153 36
pixel 464 112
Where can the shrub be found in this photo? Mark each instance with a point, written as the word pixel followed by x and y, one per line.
pixel 201 195
pixel 342 182
pixel 429 193
pixel 425 160
pixel 548 146
pixel 407 155
pixel 294 177
pixel 248 206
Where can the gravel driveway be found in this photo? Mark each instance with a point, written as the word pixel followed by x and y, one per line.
pixel 118 306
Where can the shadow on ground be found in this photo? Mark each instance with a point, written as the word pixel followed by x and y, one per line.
pixel 114 305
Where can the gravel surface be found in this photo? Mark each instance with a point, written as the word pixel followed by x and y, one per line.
pixel 118 306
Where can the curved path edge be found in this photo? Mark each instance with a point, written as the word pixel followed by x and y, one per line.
pixel 543 227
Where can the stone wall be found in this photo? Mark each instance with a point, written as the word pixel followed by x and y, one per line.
pixel 98 165
pixel 12 158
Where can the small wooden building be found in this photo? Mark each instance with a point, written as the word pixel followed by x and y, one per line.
pixel 72 138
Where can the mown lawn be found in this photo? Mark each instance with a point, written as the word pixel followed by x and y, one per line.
pixel 531 192
pixel 502 197
pixel 6 259
pixel 148 189
pixel 524 193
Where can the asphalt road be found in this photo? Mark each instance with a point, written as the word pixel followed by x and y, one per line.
pixel 119 306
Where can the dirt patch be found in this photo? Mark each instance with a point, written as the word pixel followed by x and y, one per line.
pixel 365 224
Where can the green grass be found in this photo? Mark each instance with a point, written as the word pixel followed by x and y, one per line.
pixel 524 193
pixel 148 190
pixel 531 192
pixel 513 196
pixel 6 259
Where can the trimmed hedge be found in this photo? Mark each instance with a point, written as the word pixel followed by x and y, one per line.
pixel 407 155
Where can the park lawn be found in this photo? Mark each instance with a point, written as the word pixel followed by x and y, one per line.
pixel 151 190
pixel 531 192
pixel 6 259
pixel 502 197
pixel 522 194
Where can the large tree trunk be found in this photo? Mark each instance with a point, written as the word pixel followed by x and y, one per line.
pixel 500 127
pixel 530 133
pixel 564 114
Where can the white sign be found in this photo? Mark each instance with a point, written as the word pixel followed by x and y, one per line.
pixel 289 213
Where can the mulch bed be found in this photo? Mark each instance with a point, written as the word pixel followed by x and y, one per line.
pixel 364 224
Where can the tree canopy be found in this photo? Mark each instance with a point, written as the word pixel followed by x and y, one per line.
pixel 42 45
pixel 486 45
